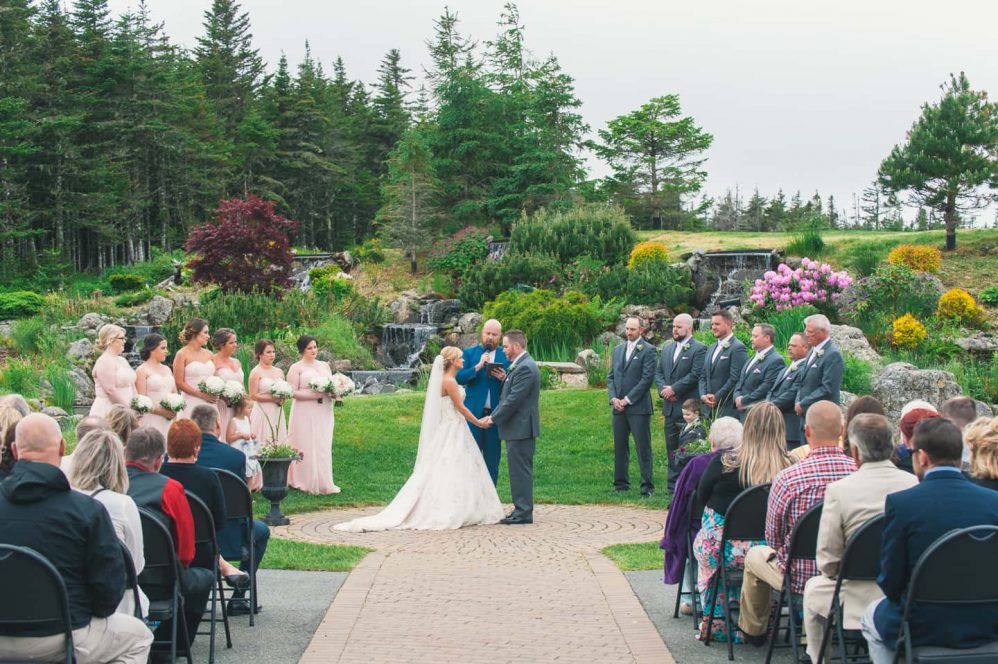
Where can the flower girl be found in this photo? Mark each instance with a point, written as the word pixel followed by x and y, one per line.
pixel 239 435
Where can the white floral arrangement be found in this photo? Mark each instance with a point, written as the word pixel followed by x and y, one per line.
pixel 342 386
pixel 212 385
pixel 281 390
pixel 173 402
pixel 233 392
pixel 322 384
pixel 141 404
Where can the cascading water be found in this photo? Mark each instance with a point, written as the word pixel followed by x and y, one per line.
pixel 719 276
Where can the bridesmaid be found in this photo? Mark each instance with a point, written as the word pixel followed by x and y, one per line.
pixel 114 379
pixel 193 363
pixel 268 415
pixel 227 368
pixel 311 427
pixel 155 380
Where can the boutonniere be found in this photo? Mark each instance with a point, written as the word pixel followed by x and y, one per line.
pixel 640 347
pixel 793 368
pixel 819 352
pixel 686 346
pixel 726 345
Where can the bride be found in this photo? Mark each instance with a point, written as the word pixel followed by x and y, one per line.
pixel 450 486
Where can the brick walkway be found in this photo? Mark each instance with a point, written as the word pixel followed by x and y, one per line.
pixel 537 593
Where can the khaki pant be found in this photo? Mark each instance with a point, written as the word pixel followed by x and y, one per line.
pixel 818 593
pixel 762 576
pixel 117 639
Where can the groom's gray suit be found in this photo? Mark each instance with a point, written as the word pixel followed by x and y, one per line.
pixel 518 419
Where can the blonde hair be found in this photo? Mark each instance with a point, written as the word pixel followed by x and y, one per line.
pixel 99 461
pixel 981 436
pixel 105 334
pixel 9 417
pixel 122 421
pixel 762 451
pixel 450 355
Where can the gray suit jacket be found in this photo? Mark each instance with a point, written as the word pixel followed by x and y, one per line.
pixel 518 416
pixel 721 377
pixel 684 376
pixel 784 396
pixel 754 385
pixel 632 379
pixel 823 379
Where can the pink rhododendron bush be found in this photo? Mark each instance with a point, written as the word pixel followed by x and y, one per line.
pixel 812 283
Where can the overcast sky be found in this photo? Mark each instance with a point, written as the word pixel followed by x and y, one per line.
pixel 800 95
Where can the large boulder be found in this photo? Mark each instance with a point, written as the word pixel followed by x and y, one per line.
pixel 984 343
pixel 658 322
pixel 852 340
pixel 83 384
pixel 900 382
pixel 157 311
pixel 470 322
pixel 80 351
pixel 587 358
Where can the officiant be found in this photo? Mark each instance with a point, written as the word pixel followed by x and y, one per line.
pixel 483 390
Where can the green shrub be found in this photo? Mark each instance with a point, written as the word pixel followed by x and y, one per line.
pixel 126 282
pixel 63 390
pixel 34 336
pixel 857 376
pixel 370 251
pixel 336 335
pixel 549 378
pixel 491 278
pixel 19 377
pixel 457 253
pixel 134 298
pixel 989 296
pixel 807 241
pixel 864 259
pixel 328 287
pixel 595 230
pixel 20 304
pixel 647 283
pixel 874 302
pixel 547 320
pixel 788 322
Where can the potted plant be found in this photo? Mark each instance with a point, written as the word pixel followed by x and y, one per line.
pixel 275 460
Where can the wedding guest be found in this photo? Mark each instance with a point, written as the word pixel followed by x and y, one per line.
pixel 632 369
pixel 155 380
pixel 114 379
pixel 760 373
pixel 227 368
pixel 122 421
pixel 723 364
pixel 865 405
pixel 39 510
pixel 17 402
pixel 823 367
pixel 9 417
pixel 83 427
pixel 961 411
pixel 693 429
pixel 677 379
pixel 267 421
pixel 784 392
pixel 795 490
pixel 909 419
pixel 756 459
pixel 240 436
pixel 192 364
pixel 99 471
pixel 914 519
pixel 849 503
pixel 311 428
pixel 981 437
pixel 483 391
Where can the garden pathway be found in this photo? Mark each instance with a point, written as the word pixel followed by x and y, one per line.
pixel 536 593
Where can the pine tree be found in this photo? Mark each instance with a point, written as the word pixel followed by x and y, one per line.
pixel 871 206
pixel 755 212
pixel 391 116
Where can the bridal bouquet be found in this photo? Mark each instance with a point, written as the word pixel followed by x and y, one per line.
pixel 173 402
pixel 233 392
pixel 141 403
pixel 212 385
pixel 281 390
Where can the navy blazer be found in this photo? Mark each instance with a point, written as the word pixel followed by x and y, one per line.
pixel 216 454
pixel 755 385
pixel 784 396
pixel 479 383
pixel 683 376
pixel 913 519
pixel 720 377
pixel 632 378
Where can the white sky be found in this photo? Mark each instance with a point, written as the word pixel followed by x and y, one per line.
pixel 800 95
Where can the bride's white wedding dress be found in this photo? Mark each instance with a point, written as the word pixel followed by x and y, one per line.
pixel 450 486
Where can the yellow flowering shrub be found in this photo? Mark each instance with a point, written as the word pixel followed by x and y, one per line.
pixel 908 332
pixel 958 305
pixel 917 257
pixel 648 252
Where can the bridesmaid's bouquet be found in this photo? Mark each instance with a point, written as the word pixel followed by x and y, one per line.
pixel 233 393
pixel 173 402
pixel 212 385
pixel 141 404
pixel 281 389
pixel 322 384
pixel 342 386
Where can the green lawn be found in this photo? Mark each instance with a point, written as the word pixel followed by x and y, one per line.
pixel 305 556
pixel 635 557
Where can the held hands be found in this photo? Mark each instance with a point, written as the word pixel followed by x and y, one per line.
pixel 618 405
pixel 667 393
pixel 485 422
pixel 709 399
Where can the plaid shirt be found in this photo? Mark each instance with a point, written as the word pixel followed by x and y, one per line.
pixel 794 491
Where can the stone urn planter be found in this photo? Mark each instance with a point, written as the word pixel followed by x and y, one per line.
pixel 275 487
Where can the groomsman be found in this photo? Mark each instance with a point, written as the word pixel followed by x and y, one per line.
pixel 628 383
pixel 677 378
pixel 761 372
pixel 823 367
pixel 784 392
pixel 483 391
pixel 723 364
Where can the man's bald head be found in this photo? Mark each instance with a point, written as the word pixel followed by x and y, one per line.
pixel 491 333
pixel 682 326
pixel 823 424
pixel 38 438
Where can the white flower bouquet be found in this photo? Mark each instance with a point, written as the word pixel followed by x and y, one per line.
pixel 141 403
pixel 342 386
pixel 173 402
pixel 281 389
pixel 322 384
pixel 233 392
pixel 212 385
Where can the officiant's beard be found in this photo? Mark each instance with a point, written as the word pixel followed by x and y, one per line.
pixel 488 346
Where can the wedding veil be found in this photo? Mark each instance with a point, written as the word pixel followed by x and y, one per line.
pixel 431 407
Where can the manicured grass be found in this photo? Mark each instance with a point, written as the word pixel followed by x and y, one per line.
pixel 375 448
pixel 635 557
pixel 309 557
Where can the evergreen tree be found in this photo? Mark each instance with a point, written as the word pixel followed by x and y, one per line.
pixel 871 206
pixel 776 212
pixel 755 213
pixel 391 116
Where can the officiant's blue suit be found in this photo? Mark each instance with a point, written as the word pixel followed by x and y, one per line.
pixel 479 384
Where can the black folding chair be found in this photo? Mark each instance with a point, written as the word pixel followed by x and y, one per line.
pixel 957 570
pixel 206 555
pixel 41 601
pixel 860 562
pixel 744 520
pixel 689 565
pixel 239 505
pixel 131 580
pixel 803 546
pixel 161 575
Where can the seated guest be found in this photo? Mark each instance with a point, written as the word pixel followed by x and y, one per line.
pixel 123 421
pixel 981 437
pixel 99 471
pixel 183 443
pixel 83 427
pixel 39 510
pixel 961 411
pixel 849 503
pixel 164 498
pixel 756 459
pixel 9 417
pixel 914 519
pixel 725 434
pixel 794 491
pixel 861 405
pixel 216 454
pixel 902 453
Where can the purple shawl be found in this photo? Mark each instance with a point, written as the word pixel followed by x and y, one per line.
pixel 677 523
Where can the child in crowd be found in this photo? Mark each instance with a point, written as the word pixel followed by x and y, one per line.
pixel 239 435
pixel 693 430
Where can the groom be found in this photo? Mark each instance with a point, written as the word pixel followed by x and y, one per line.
pixel 519 422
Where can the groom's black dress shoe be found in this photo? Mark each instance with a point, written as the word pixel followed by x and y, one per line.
pixel 516 520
